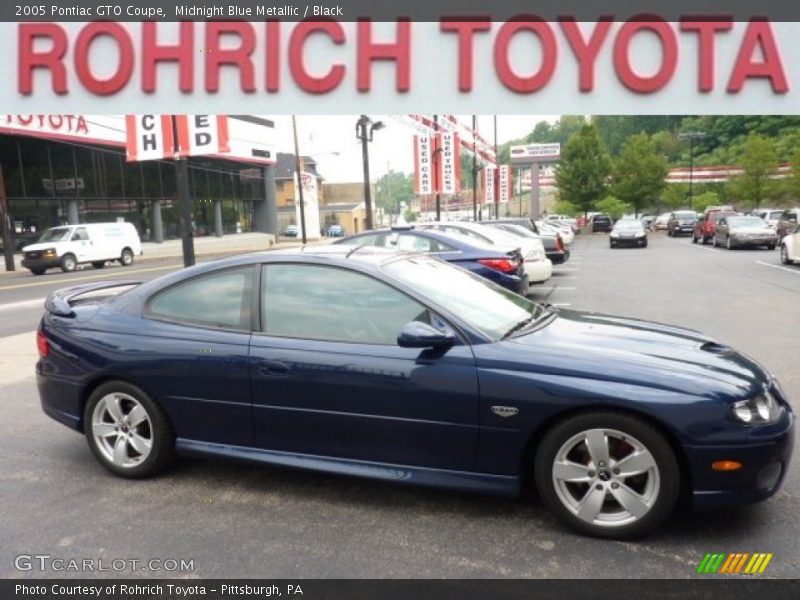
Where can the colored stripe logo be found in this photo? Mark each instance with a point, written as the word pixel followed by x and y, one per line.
pixel 737 563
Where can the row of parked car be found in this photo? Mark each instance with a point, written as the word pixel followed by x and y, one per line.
pixel 514 253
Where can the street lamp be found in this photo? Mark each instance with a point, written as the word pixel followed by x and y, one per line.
pixel 364 130
pixel 691 136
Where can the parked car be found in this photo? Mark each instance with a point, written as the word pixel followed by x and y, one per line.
pixel 681 222
pixel 554 247
pixel 335 231
pixel 601 222
pixel 706 226
pixel 503 266
pixel 647 221
pixel 538 267
pixel 68 246
pixel 404 368
pixel 790 248
pixel 788 222
pixel 564 220
pixel 554 227
pixel 628 232
pixel 291 231
pixel 661 222
pixel 744 232
pixel 772 216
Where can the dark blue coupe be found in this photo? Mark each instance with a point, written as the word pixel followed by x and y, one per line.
pixel 405 368
pixel 503 266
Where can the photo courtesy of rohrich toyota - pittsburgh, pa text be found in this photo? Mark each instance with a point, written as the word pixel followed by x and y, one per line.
pixel 408 301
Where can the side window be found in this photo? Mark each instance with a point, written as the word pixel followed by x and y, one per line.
pixel 365 240
pixel 80 234
pixel 328 303
pixel 415 243
pixel 220 299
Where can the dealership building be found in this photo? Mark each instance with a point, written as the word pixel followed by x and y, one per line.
pixel 59 169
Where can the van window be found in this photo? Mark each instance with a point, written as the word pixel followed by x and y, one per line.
pixel 80 235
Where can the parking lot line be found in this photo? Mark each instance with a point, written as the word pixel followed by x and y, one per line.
pixel 701 247
pixel 787 269
pixel 23 304
pixel 562 304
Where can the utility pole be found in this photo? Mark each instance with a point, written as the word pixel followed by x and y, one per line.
pixel 8 230
pixel 298 165
pixel 474 167
pixel 692 136
pixel 184 200
pixel 364 132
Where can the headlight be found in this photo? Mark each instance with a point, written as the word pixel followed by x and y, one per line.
pixel 614 234
pixel 759 410
pixel 50 251
pixel 640 233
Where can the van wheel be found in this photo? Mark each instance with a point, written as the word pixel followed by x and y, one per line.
pixel 126 259
pixel 69 263
pixel 38 271
pixel 99 264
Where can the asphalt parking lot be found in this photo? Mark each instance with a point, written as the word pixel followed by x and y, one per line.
pixel 237 520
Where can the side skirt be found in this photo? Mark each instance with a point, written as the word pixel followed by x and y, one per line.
pixel 499 485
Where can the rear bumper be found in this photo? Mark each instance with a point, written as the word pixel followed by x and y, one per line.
pixel 759 241
pixel 61 399
pixel 764 468
pixel 558 258
pixel 629 241
pixel 538 271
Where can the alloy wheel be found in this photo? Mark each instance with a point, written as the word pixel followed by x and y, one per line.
pixel 606 478
pixel 122 430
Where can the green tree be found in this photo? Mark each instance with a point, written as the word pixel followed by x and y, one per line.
pixel 675 195
pixel 792 184
pixel 582 175
pixel 705 199
pixel 639 173
pixel 562 207
pixel 613 207
pixel 759 163
pixel 393 188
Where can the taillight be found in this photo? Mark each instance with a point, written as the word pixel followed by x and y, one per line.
pixel 503 265
pixel 42 345
pixel 560 243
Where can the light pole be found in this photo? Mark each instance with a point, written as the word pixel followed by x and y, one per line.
pixel 298 165
pixel 691 136
pixel 364 130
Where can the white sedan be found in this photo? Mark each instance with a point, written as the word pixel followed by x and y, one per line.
pixel 565 231
pixel 538 267
pixel 790 248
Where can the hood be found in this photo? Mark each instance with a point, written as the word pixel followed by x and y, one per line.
pixel 39 246
pixel 604 347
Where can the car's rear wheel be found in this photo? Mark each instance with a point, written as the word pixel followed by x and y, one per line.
pixel 729 243
pixel 69 263
pixel 128 432
pixel 126 258
pixel 607 474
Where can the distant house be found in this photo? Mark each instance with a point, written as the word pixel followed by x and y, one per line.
pixel 285 168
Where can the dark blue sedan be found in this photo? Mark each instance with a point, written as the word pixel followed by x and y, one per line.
pixel 503 266
pixel 405 368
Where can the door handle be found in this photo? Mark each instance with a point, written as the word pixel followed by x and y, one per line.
pixel 273 368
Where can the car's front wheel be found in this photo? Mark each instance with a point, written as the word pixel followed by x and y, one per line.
pixel 607 474
pixel 785 255
pixel 128 432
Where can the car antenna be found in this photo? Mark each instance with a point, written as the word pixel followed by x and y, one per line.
pixel 353 251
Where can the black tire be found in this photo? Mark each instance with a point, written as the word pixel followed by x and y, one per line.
pixel 638 429
pixel 126 258
pixel 162 434
pixel 785 255
pixel 728 243
pixel 771 247
pixel 38 271
pixel 705 240
pixel 99 264
pixel 69 263
pixel 694 238
pixel 644 244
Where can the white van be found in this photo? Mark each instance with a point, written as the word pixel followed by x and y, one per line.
pixel 68 246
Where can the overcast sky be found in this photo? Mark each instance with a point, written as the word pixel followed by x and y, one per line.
pixel 321 135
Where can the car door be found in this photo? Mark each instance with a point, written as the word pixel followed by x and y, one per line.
pixel 721 232
pixel 199 333
pixel 329 379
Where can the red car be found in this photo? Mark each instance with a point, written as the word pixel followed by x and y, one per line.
pixel 706 226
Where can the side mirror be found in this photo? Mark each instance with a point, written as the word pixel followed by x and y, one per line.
pixel 421 335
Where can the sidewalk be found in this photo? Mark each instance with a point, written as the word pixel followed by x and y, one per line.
pixel 238 243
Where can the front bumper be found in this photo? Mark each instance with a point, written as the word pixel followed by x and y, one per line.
pixel 41 263
pixel 683 230
pixel 764 467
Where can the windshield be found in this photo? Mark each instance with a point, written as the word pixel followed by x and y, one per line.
pixel 686 215
pixel 631 224
pixel 746 222
pixel 56 234
pixel 489 308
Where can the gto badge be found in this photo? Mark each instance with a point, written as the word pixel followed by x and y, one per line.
pixel 505 411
